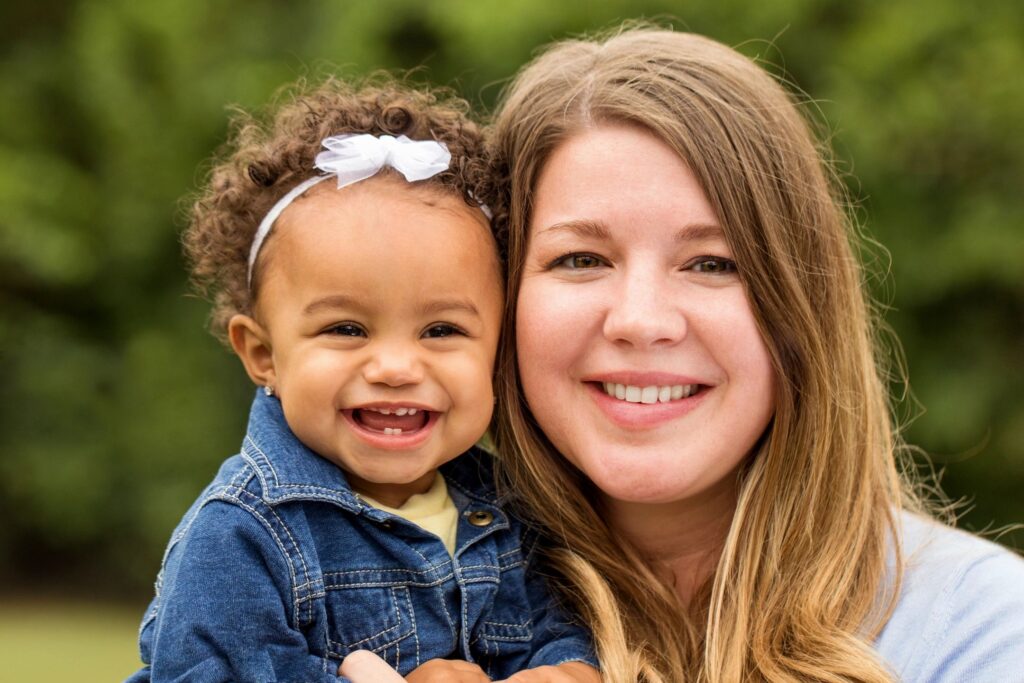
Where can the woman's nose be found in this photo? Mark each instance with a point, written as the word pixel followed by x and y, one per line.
pixel 644 312
pixel 394 365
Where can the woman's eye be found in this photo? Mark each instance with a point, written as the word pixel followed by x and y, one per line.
pixel 346 330
pixel 442 330
pixel 713 265
pixel 578 261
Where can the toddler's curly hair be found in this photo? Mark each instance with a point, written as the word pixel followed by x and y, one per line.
pixel 268 155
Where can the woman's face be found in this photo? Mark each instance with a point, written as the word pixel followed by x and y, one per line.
pixel 638 351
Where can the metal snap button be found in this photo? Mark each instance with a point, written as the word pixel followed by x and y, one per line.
pixel 480 518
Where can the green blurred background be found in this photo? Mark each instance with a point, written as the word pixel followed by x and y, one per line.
pixel 116 406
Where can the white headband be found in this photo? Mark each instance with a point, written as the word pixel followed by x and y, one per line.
pixel 351 158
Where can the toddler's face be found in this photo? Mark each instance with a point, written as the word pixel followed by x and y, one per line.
pixel 382 304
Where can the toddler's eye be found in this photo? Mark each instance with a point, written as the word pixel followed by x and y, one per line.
pixel 714 265
pixel 578 261
pixel 439 330
pixel 346 330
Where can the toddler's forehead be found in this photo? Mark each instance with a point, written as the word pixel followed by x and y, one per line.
pixel 377 221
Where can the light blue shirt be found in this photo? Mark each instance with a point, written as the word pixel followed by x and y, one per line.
pixel 960 614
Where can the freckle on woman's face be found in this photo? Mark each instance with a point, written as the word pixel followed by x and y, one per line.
pixel 638 350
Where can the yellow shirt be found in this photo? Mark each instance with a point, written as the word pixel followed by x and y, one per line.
pixel 432 511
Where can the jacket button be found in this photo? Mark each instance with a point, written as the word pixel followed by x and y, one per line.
pixel 480 518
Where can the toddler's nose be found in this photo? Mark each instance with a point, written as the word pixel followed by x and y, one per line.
pixel 394 366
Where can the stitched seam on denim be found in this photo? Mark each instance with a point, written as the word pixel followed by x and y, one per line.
pixel 243 476
pixel 249 458
pixel 398 618
pixel 415 630
pixel 464 604
pixel 479 566
pixel 334 493
pixel 383 571
pixel 291 539
pixel 444 606
pixel 296 603
pixel 383 584
pixel 379 648
pixel 470 494
pixel 378 634
pixel 300 618
pixel 383 646
pixel 482 579
pixel 508 553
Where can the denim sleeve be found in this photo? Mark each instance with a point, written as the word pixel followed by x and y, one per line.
pixel 557 638
pixel 224 609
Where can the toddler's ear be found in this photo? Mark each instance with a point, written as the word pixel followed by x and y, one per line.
pixel 251 342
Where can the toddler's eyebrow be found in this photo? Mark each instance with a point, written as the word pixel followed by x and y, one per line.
pixel 449 305
pixel 331 302
pixel 430 308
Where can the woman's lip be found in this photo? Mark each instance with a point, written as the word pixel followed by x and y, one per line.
pixel 639 416
pixel 392 442
pixel 642 379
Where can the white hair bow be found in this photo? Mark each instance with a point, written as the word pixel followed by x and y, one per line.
pixel 351 158
pixel 357 157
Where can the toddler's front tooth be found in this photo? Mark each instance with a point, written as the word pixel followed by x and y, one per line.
pixel 412 411
pixel 401 411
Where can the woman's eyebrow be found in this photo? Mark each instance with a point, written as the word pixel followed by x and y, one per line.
pixel 700 231
pixel 583 227
pixel 598 230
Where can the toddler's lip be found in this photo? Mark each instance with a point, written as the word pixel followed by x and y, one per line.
pixel 391 431
pixel 387 407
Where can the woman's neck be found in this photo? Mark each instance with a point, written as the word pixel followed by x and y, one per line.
pixel 681 539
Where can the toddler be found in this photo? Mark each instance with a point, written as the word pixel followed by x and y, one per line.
pixel 354 273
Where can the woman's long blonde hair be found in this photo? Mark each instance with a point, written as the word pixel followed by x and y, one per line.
pixel 801 585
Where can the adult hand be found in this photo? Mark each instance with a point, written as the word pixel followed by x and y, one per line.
pixel 569 672
pixel 363 666
pixel 447 670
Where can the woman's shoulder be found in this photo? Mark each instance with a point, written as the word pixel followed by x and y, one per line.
pixel 960 610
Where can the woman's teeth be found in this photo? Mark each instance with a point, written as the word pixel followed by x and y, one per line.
pixel 651 394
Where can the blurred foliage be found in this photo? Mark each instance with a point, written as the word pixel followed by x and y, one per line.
pixel 116 406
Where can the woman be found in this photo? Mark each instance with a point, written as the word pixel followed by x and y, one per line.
pixel 695 411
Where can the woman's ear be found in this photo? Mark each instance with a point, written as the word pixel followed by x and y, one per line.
pixel 251 342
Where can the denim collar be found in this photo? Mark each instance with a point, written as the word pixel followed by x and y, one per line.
pixel 289 470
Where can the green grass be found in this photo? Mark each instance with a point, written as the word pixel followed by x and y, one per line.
pixel 64 642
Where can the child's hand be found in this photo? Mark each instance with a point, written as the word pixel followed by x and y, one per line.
pixel 570 672
pixel 362 666
pixel 445 670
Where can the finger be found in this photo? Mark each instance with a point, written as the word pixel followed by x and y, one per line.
pixel 363 666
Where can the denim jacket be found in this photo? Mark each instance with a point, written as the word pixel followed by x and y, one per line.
pixel 279 570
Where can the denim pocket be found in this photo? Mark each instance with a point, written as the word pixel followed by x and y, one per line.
pixel 506 629
pixel 375 618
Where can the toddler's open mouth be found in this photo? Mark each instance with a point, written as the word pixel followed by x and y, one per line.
pixel 391 421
